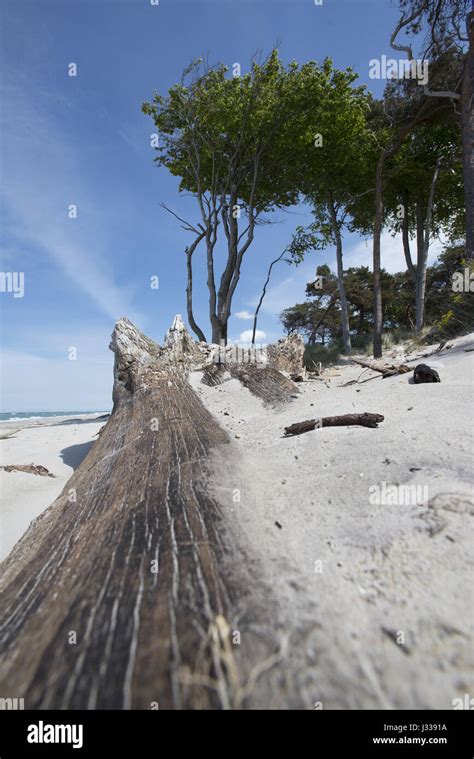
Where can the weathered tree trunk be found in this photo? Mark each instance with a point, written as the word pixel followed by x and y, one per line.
pixel 118 596
pixel 346 332
pixel 378 222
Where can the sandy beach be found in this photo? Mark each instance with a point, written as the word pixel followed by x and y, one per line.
pixel 57 443
pixel 354 568
pixel 357 542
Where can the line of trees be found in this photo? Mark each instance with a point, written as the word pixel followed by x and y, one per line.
pixel 318 319
pixel 247 145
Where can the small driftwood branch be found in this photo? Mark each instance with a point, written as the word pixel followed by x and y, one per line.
pixel 364 420
pixel 29 469
pixel 7 433
pixel 385 371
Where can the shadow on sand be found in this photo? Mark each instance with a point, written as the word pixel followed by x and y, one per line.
pixel 73 455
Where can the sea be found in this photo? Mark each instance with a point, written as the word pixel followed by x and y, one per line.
pixel 16 416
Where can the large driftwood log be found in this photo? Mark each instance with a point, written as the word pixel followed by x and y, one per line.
pixel 118 595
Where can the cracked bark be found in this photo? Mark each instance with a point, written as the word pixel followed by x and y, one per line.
pixel 131 558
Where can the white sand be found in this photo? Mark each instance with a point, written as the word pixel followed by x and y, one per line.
pixel 342 575
pixel 60 448
pixel 385 569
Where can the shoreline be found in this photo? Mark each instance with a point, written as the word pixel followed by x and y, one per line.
pixel 57 419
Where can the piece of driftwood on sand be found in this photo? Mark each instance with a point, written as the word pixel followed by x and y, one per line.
pixel 126 591
pixel 344 420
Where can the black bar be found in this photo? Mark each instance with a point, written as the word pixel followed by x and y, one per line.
pixel 315 733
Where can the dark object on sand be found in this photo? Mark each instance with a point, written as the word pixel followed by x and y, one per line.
pixel 424 373
pixel 365 420
pixel 29 469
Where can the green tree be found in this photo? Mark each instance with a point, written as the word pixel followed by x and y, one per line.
pixel 403 109
pixel 447 26
pixel 229 140
pixel 424 197
pixel 333 151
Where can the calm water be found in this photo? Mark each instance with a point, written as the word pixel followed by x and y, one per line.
pixel 15 416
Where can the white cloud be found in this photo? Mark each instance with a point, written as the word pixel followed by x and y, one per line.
pixel 246 336
pixel 243 315
pixel 392 256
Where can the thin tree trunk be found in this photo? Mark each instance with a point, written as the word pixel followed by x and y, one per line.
pixel 468 137
pixel 420 226
pixel 420 229
pixel 211 286
pixel 421 267
pixel 231 229
pixel 378 222
pixel 323 318
pixel 346 333
pixel 406 239
pixel 189 292
pixel 264 290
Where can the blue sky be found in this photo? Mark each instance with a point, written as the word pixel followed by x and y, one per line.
pixel 83 140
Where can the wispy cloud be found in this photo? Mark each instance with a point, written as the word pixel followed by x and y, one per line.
pixel 243 315
pixel 42 177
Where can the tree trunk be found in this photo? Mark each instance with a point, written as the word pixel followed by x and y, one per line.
pixel 468 137
pixel 189 295
pixel 211 238
pixel 264 290
pixel 422 262
pixel 420 226
pixel 346 333
pixel 124 593
pixel 378 222
pixel 219 331
pixel 406 239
